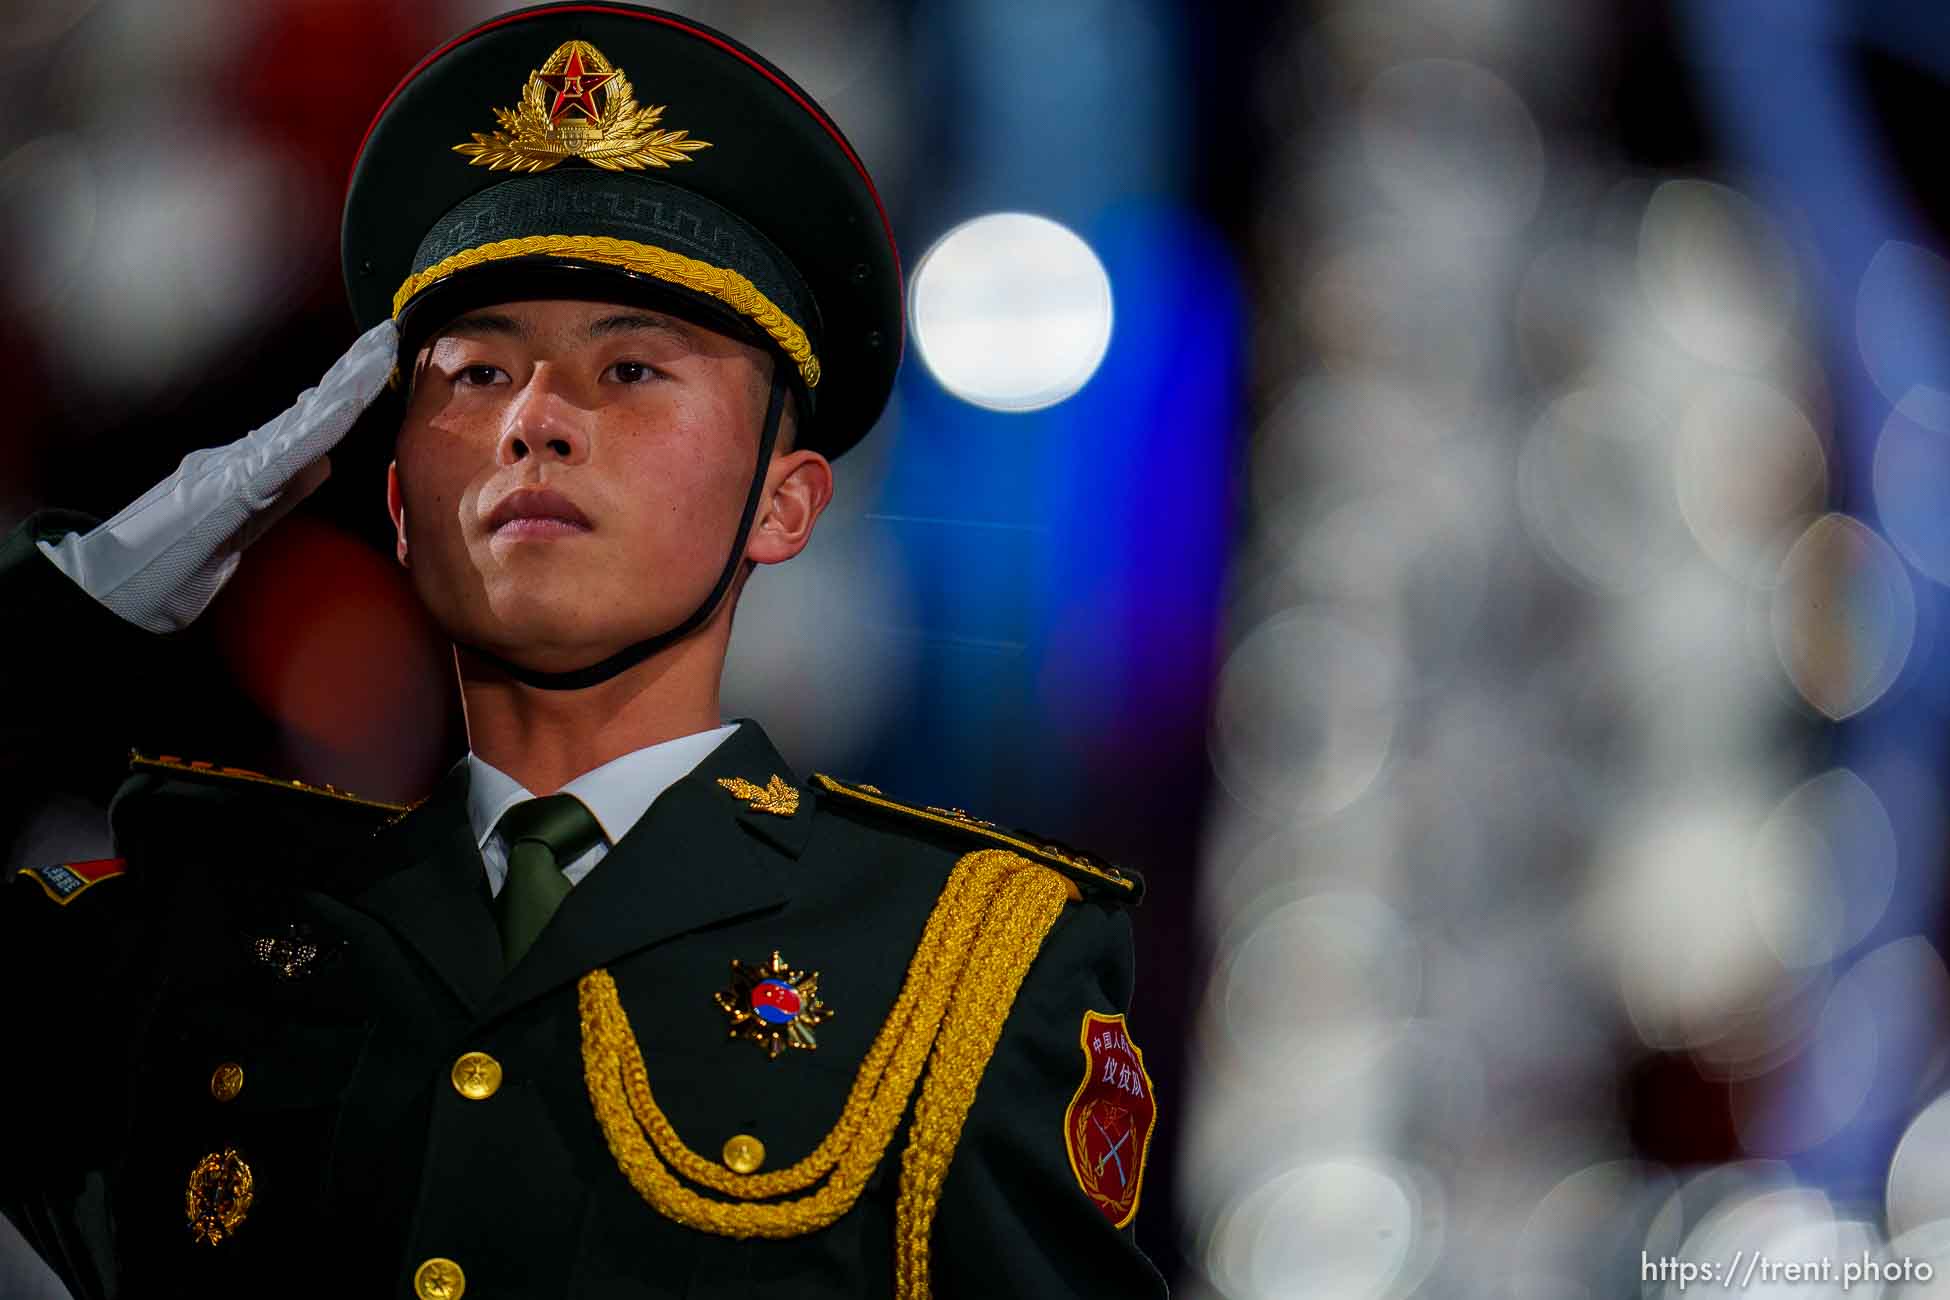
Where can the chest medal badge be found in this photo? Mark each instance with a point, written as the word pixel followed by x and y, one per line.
pixel 1107 1127
pixel 773 1005
pixel 290 952
pixel 219 1196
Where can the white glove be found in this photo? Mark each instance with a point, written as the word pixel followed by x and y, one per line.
pixel 160 562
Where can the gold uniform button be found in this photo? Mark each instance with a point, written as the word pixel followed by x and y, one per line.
pixel 226 1081
pixel 439 1279
pixel 477 1076
pixel 744 1154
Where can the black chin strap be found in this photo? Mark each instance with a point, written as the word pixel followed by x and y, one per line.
pixel 630 656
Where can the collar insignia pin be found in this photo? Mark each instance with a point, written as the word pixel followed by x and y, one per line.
pixel 775 796
pixel 558 119
pixel 773 1005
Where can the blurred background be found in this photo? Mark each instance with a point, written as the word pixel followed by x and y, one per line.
pixel 1454 491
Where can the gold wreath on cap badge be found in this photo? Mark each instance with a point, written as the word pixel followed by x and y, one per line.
pixel 558 118
pixel 219 1195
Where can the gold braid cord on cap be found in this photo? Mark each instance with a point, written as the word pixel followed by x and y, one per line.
pixel 984 932
pixel 720 282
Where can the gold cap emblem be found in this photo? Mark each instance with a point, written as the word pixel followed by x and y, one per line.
pixel 558 118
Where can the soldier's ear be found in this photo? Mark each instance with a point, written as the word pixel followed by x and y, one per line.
pixel 396 508
pixel 801 487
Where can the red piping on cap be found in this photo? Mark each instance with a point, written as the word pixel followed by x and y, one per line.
pixel 739 54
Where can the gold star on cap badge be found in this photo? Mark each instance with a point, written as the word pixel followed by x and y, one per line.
pixel 775 796
pixel 558 119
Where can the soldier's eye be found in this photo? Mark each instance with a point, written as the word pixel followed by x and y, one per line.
pixel 478 376
pixel 631 372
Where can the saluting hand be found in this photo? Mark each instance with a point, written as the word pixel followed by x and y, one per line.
pixel 161 561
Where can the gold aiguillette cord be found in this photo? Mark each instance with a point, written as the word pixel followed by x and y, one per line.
pixel 984 932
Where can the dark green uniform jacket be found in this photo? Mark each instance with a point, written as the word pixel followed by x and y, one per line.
pixel 323 963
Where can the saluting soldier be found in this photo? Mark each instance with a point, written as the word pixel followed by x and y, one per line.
pixel 623 1007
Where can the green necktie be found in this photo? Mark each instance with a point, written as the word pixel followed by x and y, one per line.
pixel 543 836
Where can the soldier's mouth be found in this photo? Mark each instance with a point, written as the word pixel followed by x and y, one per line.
pixel 538 527
pixel 536 512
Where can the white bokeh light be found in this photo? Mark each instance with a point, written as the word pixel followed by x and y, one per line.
pixel 1919 1173
pixel 1011 311
pixel 1844 615
pixel 1346 1227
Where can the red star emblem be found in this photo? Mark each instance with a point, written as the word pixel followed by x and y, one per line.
pixel 574 87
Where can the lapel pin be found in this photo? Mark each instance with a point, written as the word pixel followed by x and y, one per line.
pixel 775 796
pixel 773 1005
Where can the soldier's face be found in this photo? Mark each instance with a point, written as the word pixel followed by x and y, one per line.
pixel 569 475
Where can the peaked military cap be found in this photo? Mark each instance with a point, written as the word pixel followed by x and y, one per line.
pixel 610 152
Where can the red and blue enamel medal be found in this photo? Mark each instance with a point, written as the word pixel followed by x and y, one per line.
pixel 773 1005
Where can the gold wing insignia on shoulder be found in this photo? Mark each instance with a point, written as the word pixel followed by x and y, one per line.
pixel 1099 878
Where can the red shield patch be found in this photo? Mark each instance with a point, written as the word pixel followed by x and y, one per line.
pixel 1107 1128
pixel 65 882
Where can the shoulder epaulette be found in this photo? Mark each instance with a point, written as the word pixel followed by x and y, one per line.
pixel 1095 877
pixel 218 774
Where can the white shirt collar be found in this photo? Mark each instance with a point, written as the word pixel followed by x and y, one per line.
pixel 618 793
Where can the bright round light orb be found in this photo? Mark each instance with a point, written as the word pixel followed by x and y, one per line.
pixel 1011 311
